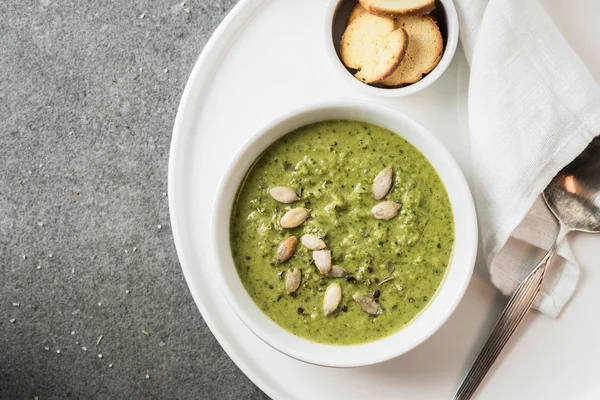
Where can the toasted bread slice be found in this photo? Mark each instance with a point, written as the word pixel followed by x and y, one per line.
pixel 373 46
pixel 398 8
pixel 425 47
pixel 356 11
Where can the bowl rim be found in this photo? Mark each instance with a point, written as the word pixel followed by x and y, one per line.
pixel 320 355
pixel 452 24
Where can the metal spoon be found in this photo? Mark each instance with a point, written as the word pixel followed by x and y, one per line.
pixel 573 196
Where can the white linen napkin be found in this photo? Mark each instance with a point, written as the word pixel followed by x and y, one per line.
pixel 533 107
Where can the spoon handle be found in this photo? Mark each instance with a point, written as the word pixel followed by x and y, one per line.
pixel 516 309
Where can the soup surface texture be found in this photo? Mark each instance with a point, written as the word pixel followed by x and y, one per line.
pixel 398 263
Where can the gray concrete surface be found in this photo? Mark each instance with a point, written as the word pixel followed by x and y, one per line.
pixel 88 95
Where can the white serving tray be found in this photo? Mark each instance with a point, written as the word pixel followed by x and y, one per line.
pixel 268 57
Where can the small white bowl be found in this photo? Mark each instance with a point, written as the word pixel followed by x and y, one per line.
pixel 336 16
pixel 440 306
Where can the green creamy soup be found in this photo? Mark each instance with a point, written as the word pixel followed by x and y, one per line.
pixel 399 263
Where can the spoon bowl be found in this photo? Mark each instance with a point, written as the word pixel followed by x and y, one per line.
pixel 573 195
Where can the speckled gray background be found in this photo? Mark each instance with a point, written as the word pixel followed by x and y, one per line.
pixel 88 95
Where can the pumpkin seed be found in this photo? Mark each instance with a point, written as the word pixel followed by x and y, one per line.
pixel 283 194
pixel 367 304
pixel 293 218
pixel 386 210
pixel 382 183
pixel 332 298
pixel 292 280
pixel 286 249
pixel 312 242
pixel 322 260
pixel 337 272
